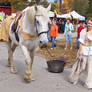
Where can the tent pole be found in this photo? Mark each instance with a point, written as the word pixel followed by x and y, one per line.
pixel 60 2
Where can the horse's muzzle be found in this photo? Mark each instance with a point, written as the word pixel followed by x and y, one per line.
pixel 43 45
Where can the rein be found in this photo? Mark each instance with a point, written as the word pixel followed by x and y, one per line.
pixel 38 34
pixel 49 52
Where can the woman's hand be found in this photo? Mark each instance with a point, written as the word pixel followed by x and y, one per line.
pixel 80 48
pixel 68 29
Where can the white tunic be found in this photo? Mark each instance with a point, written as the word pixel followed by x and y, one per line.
pixel 86 50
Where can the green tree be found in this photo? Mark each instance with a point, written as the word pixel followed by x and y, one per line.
pixel 44 3
pixel 4 0
pixel 55 1
pixel 19 4
pixel 89 9
pixel 67 6
pixel 80 6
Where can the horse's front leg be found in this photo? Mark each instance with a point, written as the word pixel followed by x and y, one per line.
pixel 10 58
pixel 28 75
pixel 32 59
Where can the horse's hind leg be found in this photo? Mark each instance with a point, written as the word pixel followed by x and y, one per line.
pixel 10 58
pixel 28 74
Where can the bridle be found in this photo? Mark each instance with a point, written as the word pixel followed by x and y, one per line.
pixel 35 22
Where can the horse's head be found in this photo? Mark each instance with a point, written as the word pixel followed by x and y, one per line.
pixel 41 23
pixel 38 18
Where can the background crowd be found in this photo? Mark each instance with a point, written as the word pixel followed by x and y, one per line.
pixel 66 27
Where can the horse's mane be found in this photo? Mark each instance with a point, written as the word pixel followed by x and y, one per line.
pixel 31 12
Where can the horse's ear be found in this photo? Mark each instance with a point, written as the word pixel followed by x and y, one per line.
pixel 36 7
pixel 37 2
pixel 49 7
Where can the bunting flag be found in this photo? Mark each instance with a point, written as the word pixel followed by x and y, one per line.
pixel 55 12
pixel 71 16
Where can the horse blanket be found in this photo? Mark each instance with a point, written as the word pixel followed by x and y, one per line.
pixel 5 26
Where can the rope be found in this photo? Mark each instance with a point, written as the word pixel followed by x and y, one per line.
pixel 51 56
pixel 49 52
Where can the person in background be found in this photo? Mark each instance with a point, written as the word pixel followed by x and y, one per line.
pixel 85 25
pixel 62 26
pixel 59 26
pixel 68 29
pixel 0 22
pixel 53 33
pixel 49 25
pixel 78 33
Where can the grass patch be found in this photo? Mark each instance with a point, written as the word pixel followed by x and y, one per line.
pixel 59 52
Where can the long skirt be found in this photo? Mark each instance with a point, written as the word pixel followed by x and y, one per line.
pixel 88 60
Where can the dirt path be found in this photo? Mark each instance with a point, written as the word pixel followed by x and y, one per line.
pixel 44 80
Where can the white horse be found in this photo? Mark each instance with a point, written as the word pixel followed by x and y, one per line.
pixel 34 23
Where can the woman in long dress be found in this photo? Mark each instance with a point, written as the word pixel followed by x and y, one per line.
pixel 86 50
pixel 84 57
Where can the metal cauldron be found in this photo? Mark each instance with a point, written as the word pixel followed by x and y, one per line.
pixel 56 66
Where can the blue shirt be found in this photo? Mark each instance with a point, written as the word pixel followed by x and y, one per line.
pixel 70 26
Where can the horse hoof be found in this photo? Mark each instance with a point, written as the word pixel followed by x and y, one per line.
pixel 13 70
pixel 28 77
pixel 9 64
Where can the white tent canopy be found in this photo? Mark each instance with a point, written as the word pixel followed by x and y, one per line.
pixel 51 14
pixel 73 13
pixel 64 16
pixel 76 15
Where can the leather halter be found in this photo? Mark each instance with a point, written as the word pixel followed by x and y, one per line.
pixel 38 34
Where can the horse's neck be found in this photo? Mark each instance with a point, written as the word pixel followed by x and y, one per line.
pixel 28 27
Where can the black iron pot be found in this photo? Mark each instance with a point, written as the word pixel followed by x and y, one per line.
pixel 56 66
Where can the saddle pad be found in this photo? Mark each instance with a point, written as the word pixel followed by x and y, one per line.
pixel 4 28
